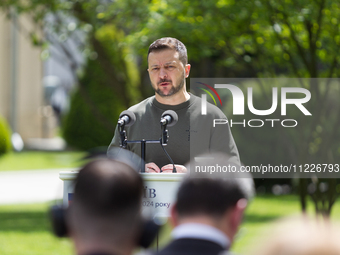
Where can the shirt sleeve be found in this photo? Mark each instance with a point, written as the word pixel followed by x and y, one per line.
pixel 222 140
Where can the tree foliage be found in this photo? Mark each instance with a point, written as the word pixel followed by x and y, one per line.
pixel 81 129
pixel 5 137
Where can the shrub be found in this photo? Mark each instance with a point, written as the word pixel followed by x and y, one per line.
pixel 94 111
pixel 5 137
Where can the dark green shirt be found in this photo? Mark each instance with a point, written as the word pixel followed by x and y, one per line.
pixel 192 136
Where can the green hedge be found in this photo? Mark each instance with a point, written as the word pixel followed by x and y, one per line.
pixel 5 137
pixel 94 111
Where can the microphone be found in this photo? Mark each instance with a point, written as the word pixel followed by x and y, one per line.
pixel 126 118
pixel 169 118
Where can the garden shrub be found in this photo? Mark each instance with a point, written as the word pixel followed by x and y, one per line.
pixel 5 137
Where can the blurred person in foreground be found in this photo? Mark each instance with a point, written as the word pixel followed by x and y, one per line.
pixel 104 217
pixel 209 208
pixel 300 236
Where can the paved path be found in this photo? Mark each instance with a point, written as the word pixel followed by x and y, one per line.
pixel 30 186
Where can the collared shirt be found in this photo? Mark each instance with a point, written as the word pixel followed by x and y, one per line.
pixel 201 231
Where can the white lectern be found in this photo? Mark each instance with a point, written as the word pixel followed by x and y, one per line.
pixel 159 190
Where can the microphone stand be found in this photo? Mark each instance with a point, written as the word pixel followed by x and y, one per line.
pixel 162 141
pixel 165 136
pixel 143 143
pixel 123 137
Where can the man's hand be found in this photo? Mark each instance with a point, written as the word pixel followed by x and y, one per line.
pixel 179 168
pixel 152 168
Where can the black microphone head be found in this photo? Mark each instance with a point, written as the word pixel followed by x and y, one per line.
pixel 131 116
pixel 174 117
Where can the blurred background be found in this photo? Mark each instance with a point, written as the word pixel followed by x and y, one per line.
pixel 68 68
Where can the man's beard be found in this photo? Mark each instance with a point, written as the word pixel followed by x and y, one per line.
pixel 173 90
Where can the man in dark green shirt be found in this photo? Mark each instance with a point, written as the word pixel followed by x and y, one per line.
pixel 194 133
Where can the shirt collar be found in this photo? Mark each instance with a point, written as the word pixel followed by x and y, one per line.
pixel 177 107
pixel 201 231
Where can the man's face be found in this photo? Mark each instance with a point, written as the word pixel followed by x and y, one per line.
pixel 167 73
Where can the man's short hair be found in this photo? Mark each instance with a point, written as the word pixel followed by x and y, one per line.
pixel 212 194
pixel 106 201
pixel 170 43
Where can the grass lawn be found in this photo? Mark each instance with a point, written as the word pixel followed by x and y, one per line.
pixel 40 160
pixel 25 229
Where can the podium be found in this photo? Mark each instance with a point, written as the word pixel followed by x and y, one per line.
pixel 158 196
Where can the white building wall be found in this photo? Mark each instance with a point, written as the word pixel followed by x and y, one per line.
pixel 4 67
pixel 30 100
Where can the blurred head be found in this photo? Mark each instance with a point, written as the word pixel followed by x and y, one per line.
pixel 300 236
pixel 105 212
pixel 218 198
pixel 168 66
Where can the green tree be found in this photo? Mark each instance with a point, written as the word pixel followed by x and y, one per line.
pixel 303 36
pixel 227 38
pixel 99 29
